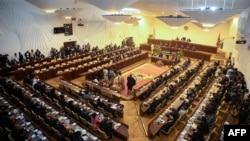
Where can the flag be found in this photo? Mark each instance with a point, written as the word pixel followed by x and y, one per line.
pixel 218 41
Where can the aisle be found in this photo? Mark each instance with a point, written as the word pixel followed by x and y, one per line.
pixel 131 118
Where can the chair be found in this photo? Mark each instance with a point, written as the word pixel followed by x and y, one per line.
pixel 33 114
pixel 167 132
pixel 101 109
pixel 223 106
pixel 109 114
pixel 74 93
pixel 157 109
pixel 219 114
pixel 212 136
pixel 75 115
pixel 48 127
pixel 193 105
pixel 9 131
pixel 91 126
pixel 48 99
pixel 59 106
pixel 56 132
pixel 39 118
pixel 83 120
pixel 68 111
pixel 103 134
pixel 163 103
pixel 55 100
pixel 27 112
pixel 67 139
pixel 67 89
pixel 10 137
pixel 61 86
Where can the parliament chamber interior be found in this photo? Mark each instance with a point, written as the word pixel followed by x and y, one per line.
pixel 161 89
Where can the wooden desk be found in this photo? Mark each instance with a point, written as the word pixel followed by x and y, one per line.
pixel 140 91
pixel 104 91
pixel 190 53
pixel 144 108
pixel 154 127
pixel 181 44
pixel 121 131
pixel 164 61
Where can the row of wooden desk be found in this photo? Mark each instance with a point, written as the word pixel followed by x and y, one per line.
pixel 197 54
pixel 19 71
pixel 183 44
pixel 105 91
pixel 119 65
pixel 157 123
pixel 198 112
pixel 121 131
pixel 168 62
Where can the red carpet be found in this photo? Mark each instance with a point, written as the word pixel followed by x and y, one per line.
pixel 143 75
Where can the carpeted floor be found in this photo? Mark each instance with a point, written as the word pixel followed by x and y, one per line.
pixel 143 75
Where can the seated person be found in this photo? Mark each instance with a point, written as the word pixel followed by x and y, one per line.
pixel 106 126
pixel 203 126
pixel 183 110
pixel 154 104
pixel 174 113
pixel 77 136
pixel 196 135
pixel 95 120
pixel 170 122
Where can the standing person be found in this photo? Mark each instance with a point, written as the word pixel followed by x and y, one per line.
pixel 105 75
pixel 120 80
pixel 111 76
pixel 130 83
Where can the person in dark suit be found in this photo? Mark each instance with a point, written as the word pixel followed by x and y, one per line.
pixel 174 113
pixel 106 126
pixel 154 104
pixel 77 136
pixel 203 126
pixel 169 123
pixel 197 135
pixel 130 82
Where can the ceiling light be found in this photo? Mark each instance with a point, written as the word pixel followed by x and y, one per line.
pixel 213 8
pixel 132 20
pixel 50 10
pixel 48 4
pixel 68 12
pixel 114 5
pixel 206 30
pixel 202 8
pixel 174 21
pixel 174 27
pixel 117 18
pixel 209 16
pixel 207 25
pixel 67 17
pixel 130 10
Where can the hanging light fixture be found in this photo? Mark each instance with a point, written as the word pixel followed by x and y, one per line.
pixel 49 6
pixel 117 18
pixel 68 12
pixel 174 20
pixel 132 20
pixel 111 5
pixel 210 15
